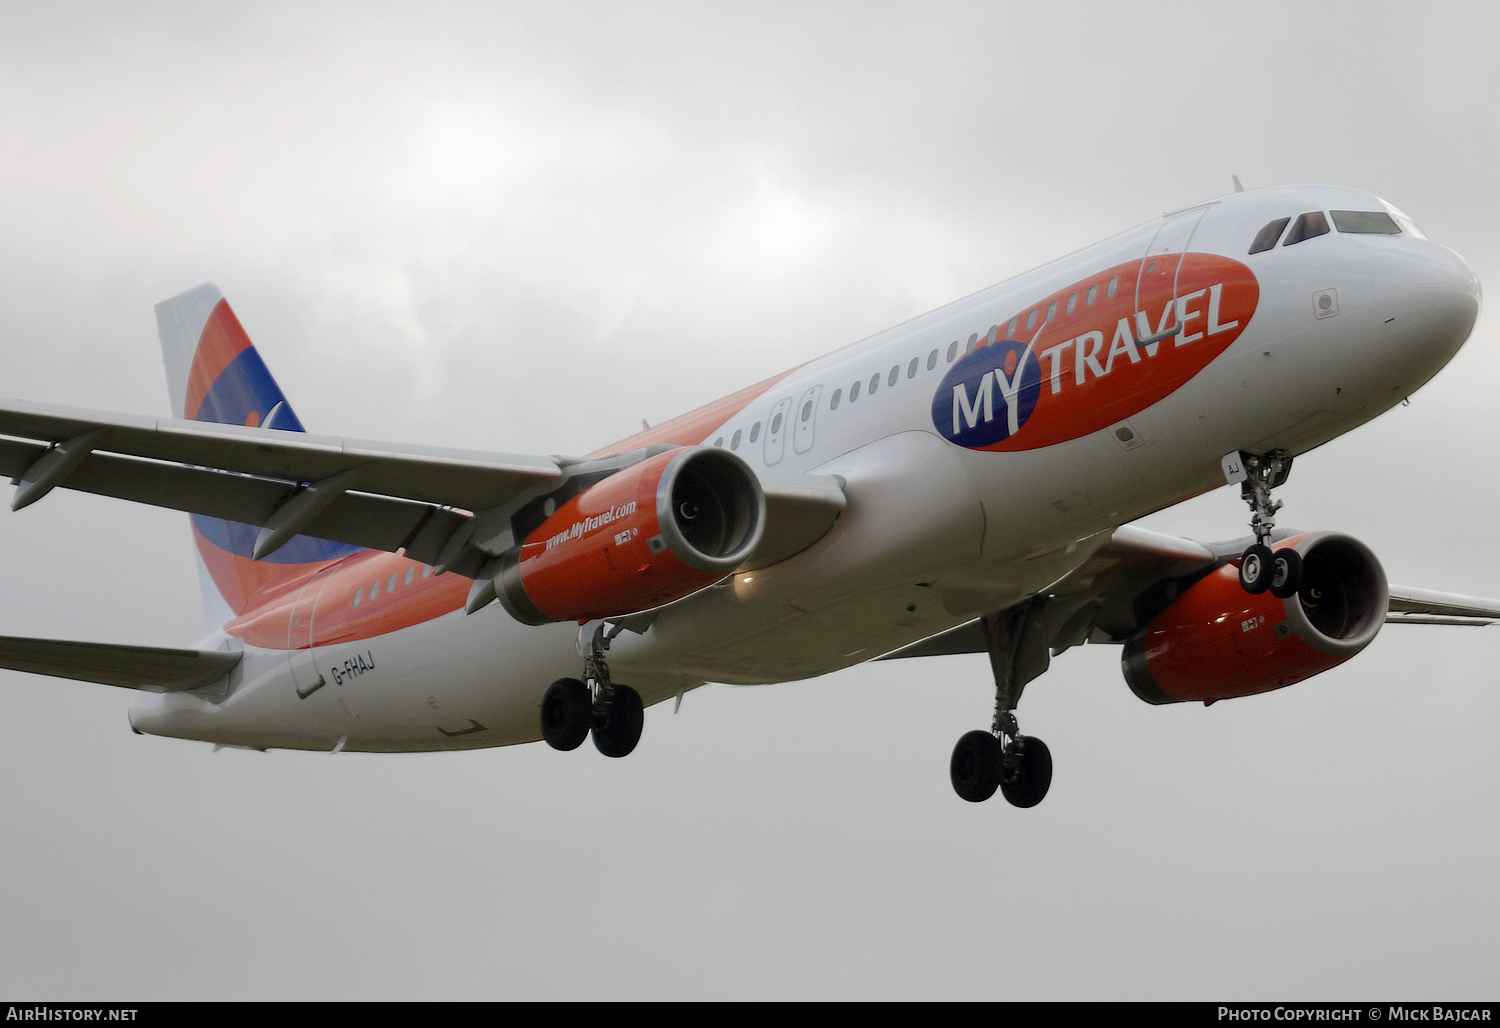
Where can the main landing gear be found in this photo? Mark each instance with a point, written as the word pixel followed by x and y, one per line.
pixel 1261 568
pixel 1019 766
pixel 571 709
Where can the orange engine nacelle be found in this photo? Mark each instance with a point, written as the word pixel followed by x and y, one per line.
pixel 1217 641
pixel 649 534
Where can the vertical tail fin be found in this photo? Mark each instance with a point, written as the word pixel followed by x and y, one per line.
pixel 215 374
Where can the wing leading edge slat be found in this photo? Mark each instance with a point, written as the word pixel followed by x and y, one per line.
pixel 468 479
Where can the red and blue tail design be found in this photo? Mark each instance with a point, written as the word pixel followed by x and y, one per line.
pixel 215 374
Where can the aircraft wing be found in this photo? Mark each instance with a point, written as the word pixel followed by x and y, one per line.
pixel 149 668
pixel 441 506
pixel 1099 600
pixel 381 495
pixel 1425 607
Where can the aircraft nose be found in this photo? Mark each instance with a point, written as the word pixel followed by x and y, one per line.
pixel 1427 293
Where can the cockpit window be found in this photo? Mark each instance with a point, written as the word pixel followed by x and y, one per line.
pixel 1266 237
pixel 1407 225
pixel 1372 222
pixel 1306 227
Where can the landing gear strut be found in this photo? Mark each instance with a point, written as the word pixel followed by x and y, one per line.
pixel 1261 568
pixel 571 709
pixel 1019 766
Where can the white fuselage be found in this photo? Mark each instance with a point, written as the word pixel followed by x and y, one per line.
pixel 934 534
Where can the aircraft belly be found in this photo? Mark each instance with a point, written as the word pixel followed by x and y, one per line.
pixel 456 682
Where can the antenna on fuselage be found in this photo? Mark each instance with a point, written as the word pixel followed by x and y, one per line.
pixel 1238 188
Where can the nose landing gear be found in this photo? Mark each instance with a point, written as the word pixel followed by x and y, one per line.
pixel 1262 568
pixel 1019 766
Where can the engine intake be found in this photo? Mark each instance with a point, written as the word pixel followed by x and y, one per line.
pixel 649 534
pixel 1217 641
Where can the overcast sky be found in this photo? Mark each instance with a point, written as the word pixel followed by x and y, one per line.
pixel 526 227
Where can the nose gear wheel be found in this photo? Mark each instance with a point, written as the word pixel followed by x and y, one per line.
pixel 1261 568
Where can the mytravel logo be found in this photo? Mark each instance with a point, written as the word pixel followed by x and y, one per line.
pixel 986 397
pixel 1095 352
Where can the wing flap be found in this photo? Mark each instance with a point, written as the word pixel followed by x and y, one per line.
pixel 148 668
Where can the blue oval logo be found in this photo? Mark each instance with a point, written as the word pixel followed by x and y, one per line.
pixel 987 396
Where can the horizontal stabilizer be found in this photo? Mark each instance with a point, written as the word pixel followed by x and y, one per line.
pixel 148 668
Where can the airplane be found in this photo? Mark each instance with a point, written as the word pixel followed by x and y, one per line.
pixel 964 482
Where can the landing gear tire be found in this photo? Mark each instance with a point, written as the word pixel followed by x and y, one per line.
pixel 1028 785
pixel 617 735
pixel 1256 569
pixel 975 767
pixel 1286 574
pixel 567 709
